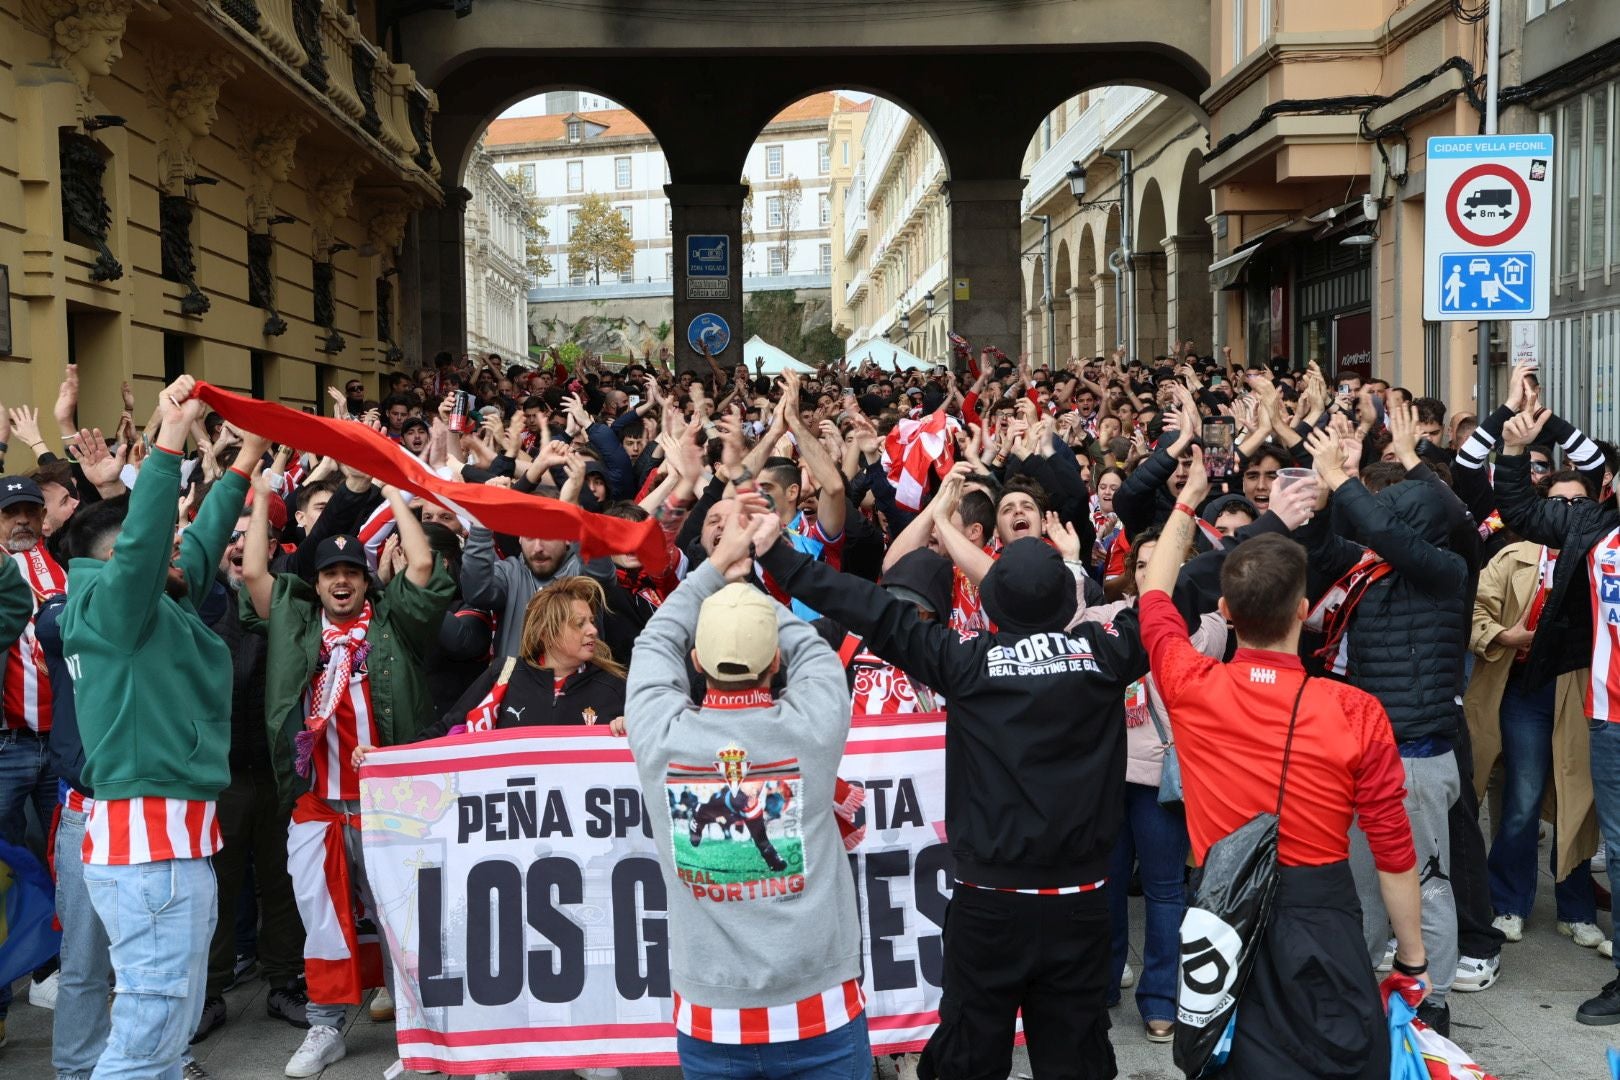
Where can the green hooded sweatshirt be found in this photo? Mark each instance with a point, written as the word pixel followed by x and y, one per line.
pixel 151 682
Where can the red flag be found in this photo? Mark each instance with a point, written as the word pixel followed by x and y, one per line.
pixel 496 508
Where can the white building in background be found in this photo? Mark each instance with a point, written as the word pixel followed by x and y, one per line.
pixel 892 224
pixel 610 152
pixel 497 275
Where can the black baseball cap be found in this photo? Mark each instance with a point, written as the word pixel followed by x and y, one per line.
pixel 414 422
pixel 16 489
pixel 1029 590
pixel 338 550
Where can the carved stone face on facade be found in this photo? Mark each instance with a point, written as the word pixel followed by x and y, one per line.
pixel 273 157
pixel 89 38
pixel 195 104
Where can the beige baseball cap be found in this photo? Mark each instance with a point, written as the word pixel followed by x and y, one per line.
pixel 736 634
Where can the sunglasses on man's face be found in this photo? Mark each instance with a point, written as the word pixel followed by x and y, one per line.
pixel 1570 500
pixel 1540 467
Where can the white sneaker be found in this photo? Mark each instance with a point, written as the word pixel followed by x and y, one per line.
pixel 322 1047
pixel 1387 961
pixel 1600 859
pixel 905 1066
pixel 1474 974
pixel 42 994
pixel 1127 978
pixel 1512 926
pixel 1606 949
pixel 382 1004
pixel 1585 934
pixel 598 1074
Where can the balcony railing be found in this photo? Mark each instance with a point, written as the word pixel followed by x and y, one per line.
pixel 321 42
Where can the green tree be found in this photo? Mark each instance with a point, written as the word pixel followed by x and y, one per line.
pixel 535 234
pixel 600 241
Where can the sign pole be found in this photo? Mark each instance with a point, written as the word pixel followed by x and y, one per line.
pixel 1493 74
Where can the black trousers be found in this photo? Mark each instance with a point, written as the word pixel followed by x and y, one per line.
pixel 1046 955
pixel 253 826
pixel 1311 1009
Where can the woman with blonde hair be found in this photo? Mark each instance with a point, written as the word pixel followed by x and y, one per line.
pixel 563 673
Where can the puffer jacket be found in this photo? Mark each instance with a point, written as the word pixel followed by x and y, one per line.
pixel 1409 634
pixel 1563 640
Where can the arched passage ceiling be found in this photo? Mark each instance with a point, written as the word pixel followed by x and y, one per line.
pixel 979 81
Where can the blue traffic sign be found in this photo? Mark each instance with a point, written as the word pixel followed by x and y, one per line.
pixel 711 330
pixel 708 255
pixel 1488 283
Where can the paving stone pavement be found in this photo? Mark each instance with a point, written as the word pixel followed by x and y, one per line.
pixel 1523 1028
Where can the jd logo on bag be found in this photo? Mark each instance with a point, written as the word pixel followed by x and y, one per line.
pixel 524 908
pixel 1209 967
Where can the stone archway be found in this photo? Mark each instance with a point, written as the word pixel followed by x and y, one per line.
pixel 1062 322
pixel 1083 335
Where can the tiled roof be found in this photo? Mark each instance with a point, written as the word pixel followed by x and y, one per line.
pixel 623 122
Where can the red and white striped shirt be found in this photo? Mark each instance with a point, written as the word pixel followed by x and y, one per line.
pixel 1603 692
pixel 73 799
pixel 332 765
pixel 804 1019
pixel 147 829
pixel 27 689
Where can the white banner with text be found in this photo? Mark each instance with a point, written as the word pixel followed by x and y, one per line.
pixel 522 903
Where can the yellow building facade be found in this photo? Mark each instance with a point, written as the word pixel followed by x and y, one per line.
pixel 220 189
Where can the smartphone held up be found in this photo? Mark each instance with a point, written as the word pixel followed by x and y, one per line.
pixel 1219 437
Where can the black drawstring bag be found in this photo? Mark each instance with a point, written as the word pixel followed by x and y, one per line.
pixel 1223 927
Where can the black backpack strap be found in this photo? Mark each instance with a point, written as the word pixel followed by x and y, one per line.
pixel 1288 747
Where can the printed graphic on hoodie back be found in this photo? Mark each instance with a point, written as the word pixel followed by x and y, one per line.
pixel 735 827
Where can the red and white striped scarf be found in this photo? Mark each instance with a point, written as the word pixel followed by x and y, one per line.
pixel 1332 613
pixel 911 448
pixel 333 695
pixel 1603 690
pixel 27 693
pixel 485 716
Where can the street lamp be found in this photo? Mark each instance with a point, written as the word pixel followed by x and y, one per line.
pixel 905 322
pixel 1077 182
pixel 928 302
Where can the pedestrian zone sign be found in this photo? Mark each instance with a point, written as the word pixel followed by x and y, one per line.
pixel 1487 229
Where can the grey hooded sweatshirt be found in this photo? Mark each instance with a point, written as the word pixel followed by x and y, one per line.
pixel 761 904
pixel 504 586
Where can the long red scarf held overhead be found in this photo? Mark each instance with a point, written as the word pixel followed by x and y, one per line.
pixel 495 508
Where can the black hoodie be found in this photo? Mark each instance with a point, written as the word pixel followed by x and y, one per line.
pixel 1409 633
pixel 1035 721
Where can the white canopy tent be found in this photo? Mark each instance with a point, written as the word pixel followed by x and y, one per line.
pixel 757 349
pixel 885 356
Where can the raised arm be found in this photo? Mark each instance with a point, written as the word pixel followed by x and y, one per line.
pixel 257 580
pixel 891 627
pixel 412 539
pixel 830 503
pixel 130 587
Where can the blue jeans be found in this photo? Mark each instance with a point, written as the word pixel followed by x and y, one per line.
pixel 844 1054
pixel 1156 839
pixel 1605 742
pixel 81 1023
pixel 1527 718
pixel 25 777
pixel 159 918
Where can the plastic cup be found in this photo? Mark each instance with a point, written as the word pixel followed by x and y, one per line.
pixel 1287 478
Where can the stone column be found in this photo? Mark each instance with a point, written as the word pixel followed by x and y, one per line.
pixel 707 210
pixel 1102 290
pixel 1083 322
pixel 985 265
pixel 1151 337
pixel 1064 338
pixel 1034 335
pixel 1190 304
